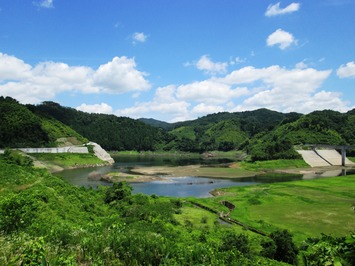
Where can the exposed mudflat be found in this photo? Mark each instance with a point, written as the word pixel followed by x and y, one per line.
pixel 121 177
pixel 194 170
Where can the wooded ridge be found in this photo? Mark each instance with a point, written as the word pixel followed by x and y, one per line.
pixel 263 134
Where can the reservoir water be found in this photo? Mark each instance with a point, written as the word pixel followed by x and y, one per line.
pixel 178 186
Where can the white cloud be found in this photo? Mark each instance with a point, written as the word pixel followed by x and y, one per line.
pixel 247 88
pixel 45 3
pixel 139 37
pixel 102 108
pixel 164 106
pixel 346 71
pixel 237 60
pixel 47 79
pixel 275 10
pixel 119 76
pixel 211 91
pixel 286 90
pixel 208 66
pixel 207 109
pixel 281 38
pixel 12 68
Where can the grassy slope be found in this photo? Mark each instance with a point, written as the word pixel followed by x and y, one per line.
pixel 60 161
pixel 273 165
pixel 306 208
pixel 57 130
pixel 73 226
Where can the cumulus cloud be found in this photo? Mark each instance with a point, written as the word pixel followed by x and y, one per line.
pixel 287 90
pixel 102 108
pixel 346 71
pixel 45 3
pixel 119 76
pixel 281 38
pixel 204 109
pixel 208 66
pixel 278 88
pixel 212 91
pixel 139 37
pixel 275 10
pixel 45 80
pixel 12 68
pixel 164 106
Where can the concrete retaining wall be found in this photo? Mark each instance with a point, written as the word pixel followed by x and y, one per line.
pixel 69 149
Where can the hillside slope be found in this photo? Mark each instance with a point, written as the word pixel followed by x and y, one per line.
pixel 20 127
pixel 110 131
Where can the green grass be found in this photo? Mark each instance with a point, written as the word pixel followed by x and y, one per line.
pixel 67 159
pixel 198 217
pixel 306 208
pixel 273 165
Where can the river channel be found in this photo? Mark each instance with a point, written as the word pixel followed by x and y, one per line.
pixel 184 186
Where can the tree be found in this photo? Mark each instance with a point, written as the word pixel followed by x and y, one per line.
pixel 286 249
pixel 118 191
pixel 239 242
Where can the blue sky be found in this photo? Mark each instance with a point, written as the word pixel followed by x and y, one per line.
pixel 177 60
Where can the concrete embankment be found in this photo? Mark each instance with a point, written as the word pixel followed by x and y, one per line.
pixel 98 150
pixel 101 153
pixel 68 149
pixel 323 157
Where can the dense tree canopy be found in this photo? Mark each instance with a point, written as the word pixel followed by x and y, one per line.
pixel 111 132
pixel 19 127
pixel 263 134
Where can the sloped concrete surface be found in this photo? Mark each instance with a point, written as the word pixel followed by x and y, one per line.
pixel 323 157
pixel 101 153
pixel 332 156
pixel 313 159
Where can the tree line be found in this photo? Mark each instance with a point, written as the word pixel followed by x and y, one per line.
pixel 263 134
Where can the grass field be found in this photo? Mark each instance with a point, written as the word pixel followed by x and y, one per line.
pixel 273 165
pixel 67 160
pixel 306 208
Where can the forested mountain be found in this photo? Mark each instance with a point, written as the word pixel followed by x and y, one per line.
pixel 157 123
pixel 20 127
pixel 251 122
pixel 263 134
pixel 319 127
pixel 227 131
pixel 110 131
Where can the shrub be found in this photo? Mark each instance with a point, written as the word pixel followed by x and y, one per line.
pixel 286 250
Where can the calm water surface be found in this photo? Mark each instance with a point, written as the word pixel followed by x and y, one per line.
pixel 177 187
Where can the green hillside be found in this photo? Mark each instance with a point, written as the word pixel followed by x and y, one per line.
pixel 110 131
pixel 226 131
pixel 20 127
pixel 156 123
pixel 263 134
pixel 319 127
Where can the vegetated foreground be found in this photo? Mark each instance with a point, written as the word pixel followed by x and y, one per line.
pixel 45 220
pixel 306 208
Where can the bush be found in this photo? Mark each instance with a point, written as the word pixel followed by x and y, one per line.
pixel 15 157
pixel 286 250
pixel 118 191
pixel 233 241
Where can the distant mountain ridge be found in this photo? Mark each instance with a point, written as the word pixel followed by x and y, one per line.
pixel 264 134
pixel 156 123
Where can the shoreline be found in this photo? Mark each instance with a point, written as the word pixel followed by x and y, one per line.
pixel 155 173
